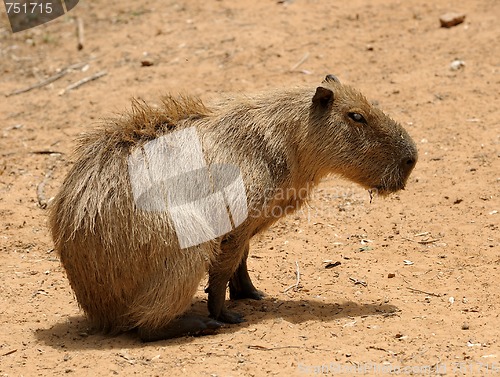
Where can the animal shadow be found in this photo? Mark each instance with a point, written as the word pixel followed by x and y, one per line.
pixel 75 332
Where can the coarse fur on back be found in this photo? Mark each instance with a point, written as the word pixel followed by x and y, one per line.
pixel 126 266
pixel 146 122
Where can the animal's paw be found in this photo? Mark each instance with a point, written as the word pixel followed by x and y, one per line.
pixel 228 316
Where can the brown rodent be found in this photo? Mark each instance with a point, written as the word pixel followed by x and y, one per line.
pixel 125 262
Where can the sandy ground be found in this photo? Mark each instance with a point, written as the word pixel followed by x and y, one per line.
pixel 439 314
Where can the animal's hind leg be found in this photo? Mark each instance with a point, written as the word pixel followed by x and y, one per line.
pixel 159 309
pixel 240 285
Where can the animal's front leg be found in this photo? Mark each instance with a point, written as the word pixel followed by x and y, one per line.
pixel 240 285
pixel 221 271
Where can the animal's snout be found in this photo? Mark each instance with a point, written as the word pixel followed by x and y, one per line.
pixel 407 164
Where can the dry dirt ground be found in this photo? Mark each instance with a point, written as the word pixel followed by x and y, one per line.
pixel 416 286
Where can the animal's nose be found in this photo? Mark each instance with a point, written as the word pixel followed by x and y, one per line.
pixel 407 164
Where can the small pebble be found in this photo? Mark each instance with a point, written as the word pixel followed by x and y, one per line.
pixel 390 276
pixel 465 326
pixel 451 19
pixel 457 64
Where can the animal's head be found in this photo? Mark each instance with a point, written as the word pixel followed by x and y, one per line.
pixel 358 141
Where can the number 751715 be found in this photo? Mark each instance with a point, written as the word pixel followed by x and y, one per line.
pixel 16 8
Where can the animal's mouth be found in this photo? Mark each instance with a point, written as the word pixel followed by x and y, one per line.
pixel 395 176
pixel 383 190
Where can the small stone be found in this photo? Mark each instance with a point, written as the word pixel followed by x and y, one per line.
pixel 390 276
pixel 456 64
pixel 451 19
pixel 465 326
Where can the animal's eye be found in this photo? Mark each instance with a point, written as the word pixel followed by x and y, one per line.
pixel 357 117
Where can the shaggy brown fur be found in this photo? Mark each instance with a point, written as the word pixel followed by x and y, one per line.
pixel 125 264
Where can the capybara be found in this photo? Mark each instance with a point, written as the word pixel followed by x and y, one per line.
pixel 127 262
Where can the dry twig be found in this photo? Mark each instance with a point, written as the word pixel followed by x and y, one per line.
pixel 9 352
pixel 424 292
pixel 425 242
pixel 382 349
pixel 85 80
pixel 357 281
pixel 79 32
pixel 42 201
pixel 262 348
pixel 48 80
pixel 46 152
pixel 297 274
pixel 300 62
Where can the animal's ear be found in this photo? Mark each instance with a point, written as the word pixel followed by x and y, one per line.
pixel 323 97
pixel 331 78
